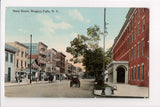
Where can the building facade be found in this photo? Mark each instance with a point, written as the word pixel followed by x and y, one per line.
pixel 40 50
pixel 130 51
pixel 20 56
pixel 9 63
pixel 61 61
pixel 51 60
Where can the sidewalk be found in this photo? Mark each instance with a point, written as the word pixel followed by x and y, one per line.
pixel 126 90
pixel 9 84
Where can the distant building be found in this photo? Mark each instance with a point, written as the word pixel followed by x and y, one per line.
pixel 61 62
pixel 39 49
pixel 9 63
pixel 20 56
pixel 130 52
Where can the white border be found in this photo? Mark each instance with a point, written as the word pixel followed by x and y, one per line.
pixel 154 87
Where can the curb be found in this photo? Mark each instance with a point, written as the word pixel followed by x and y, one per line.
pixel 32 84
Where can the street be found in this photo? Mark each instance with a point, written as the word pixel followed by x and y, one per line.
pixel 58 89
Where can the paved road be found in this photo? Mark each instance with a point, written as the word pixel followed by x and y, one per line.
pixel 59 89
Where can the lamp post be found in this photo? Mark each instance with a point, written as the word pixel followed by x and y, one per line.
pixel 105 34
pixel 30 56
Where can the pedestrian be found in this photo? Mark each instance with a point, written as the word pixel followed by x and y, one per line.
pixel 36 76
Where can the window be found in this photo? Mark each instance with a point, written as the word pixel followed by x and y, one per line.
pixel 129 55
pixel 135 33
pixel 132 53
pixel 135 16
pixel 22 53
pixel 138 72
pixel 139 10
pixel 138 50
pixel 129 73
pixel 143 24
pixel 25 64
pixel 143 10
pixel 132 36
pixel 132 23
pixel 6 56
pixel 143 47
pixel 134 73
pixel 21 63
pixel 142 72
pixel 17 52
pixel 26 54
pixel 11 58
pixel 17 64
pixel 135 52
pixel 138 29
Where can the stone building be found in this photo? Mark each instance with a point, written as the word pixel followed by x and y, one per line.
pixel 20 56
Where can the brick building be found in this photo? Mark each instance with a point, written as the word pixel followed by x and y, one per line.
pixel 61 62
pixel 130 51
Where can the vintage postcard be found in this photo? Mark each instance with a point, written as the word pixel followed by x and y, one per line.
pixel 76 52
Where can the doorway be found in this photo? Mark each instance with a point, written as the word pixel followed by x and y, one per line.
pixel 120 75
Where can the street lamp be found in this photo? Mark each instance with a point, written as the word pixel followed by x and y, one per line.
pixel 105 34
pixel 30 56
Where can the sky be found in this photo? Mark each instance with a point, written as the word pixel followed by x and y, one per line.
pixel 57 26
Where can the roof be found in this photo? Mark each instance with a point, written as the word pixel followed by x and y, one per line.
pixel 123 27
pixel 10 48
pixel 44 44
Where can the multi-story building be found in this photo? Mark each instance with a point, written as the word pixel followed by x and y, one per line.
pixel 9 63
pixel 21 55
pixel 61 62
pixel 130 51
pixel 39 49
pixel 51 60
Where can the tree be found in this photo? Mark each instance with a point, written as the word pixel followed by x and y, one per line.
pixel 85 50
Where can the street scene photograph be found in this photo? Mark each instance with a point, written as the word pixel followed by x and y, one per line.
pixel 76 52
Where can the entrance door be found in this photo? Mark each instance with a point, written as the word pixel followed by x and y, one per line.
pixel 120 75
pixel 9 74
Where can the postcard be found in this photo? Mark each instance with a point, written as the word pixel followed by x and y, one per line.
pixel 76 52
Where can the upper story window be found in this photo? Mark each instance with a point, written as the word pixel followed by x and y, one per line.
pixel 22 53
pixel 21 63
pixel 17 63
pixel 139 12
pixel 11 58
pixel 18 52
pixel 6 54
pixel 143 47
pixel 132 36
pixel 132 52
pixel 138 28
pixel 143 24
pixel 138 50
pixel 135 33
pixel 135 17
pixel 135 52
pixel 143 10
pixel 132 23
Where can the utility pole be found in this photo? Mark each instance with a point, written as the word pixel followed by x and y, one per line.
pixel 105 34
pixel 30 56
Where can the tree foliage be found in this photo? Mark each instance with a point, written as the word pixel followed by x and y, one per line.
pixel 85 50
